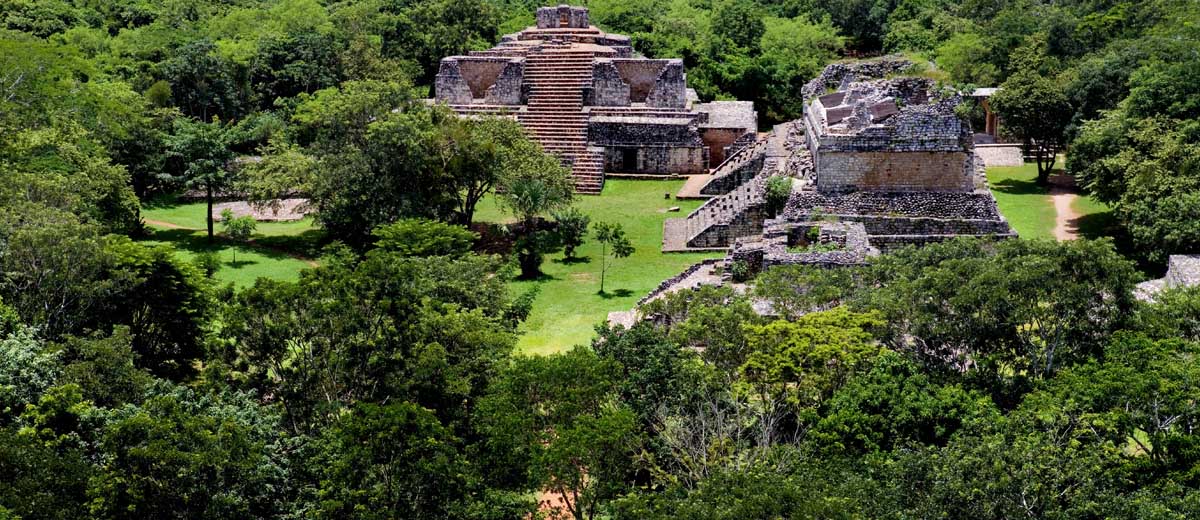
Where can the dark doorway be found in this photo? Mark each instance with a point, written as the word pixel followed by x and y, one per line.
pixel 629 159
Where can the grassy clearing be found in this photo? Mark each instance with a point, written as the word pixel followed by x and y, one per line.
pixel 1096 219
pixel 273 253
pixel 568 308
pixel 1027 206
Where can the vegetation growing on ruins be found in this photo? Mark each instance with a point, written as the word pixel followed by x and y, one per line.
pixel 382 359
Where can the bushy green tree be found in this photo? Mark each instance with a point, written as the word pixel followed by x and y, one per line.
pixel 202 156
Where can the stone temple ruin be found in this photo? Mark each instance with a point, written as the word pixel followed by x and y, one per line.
pixel 585 96
pixel 889 154
pixel 879 161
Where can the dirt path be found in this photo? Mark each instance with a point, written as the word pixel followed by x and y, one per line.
pixel 165 224
pixel 251 242
pixel 1064 223
pixel 1064 193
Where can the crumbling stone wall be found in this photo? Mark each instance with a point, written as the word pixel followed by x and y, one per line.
pixel 506 89
pixel 608 88
pixel 720 140
pixel 562 15
pixel 836 73
pixel 449 85
pixel 669 87
pixel 658 83
pixel 494 79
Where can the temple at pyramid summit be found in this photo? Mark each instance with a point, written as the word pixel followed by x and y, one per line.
pixel 587 97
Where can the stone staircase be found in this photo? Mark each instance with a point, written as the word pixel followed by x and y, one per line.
pixel 555 79
pixel 737 168
pixel 722 219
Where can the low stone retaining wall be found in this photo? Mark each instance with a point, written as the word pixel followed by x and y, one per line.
pixel 1000 154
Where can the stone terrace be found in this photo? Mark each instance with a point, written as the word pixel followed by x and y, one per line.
pixel 585 96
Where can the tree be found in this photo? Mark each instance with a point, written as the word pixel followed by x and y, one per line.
pixel 554 423
pixel 418 237
pixel 779 189
pixel 1036 110
pixel 202 156
pixel 238 229
pixel 201 81
pixel 614 243
pixel 183 455
pixel 571 226
pixel 537 184
pixel 740 22
pixel 390 461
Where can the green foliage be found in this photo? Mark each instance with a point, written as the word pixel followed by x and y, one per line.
pixel 571 227
pixel 27 368
pixel 779 189
pixel 237 228
pixel 614 243
pixel 381 461
pixel 203 157
pixel 1035 110
pixel 804 362
pixel 555 423
pixel 416 237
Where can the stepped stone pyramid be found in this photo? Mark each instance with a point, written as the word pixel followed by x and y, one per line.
pixel 586 97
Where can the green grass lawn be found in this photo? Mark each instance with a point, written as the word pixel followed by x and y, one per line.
pixel 271 256
pixel 1027 206
pixel 1096 218
pixel 1030 210
pixel 568 308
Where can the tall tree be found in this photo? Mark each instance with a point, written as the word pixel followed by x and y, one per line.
pixel 203 159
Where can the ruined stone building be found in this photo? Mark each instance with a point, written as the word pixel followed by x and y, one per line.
pixel 587 97
pixel 889 154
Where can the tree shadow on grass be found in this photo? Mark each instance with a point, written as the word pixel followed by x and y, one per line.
pixel 238 264
pixel 619 293
pixel 572 261
pixel 1020 187
pixel 197 242
pixel 307 244
pixel 162 202
pixel 541 277
pixel 1097 225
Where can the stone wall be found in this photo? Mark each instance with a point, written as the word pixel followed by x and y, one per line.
pixel 506 90
pixel 892 171
pixel 655 160
pixel 836 73
pixel 657 83
pixel 494 79
pixel 449 85
pixel 981 206
pixel 563 15
pixel 719 140
pixel 1000 154
pixel 669 90
pixel 608 88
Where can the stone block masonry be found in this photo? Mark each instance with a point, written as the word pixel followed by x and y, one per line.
pixel 891 171
pixel 582 94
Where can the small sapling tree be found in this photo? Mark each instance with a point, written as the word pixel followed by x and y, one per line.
pixel 613 242
pixel 237 228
